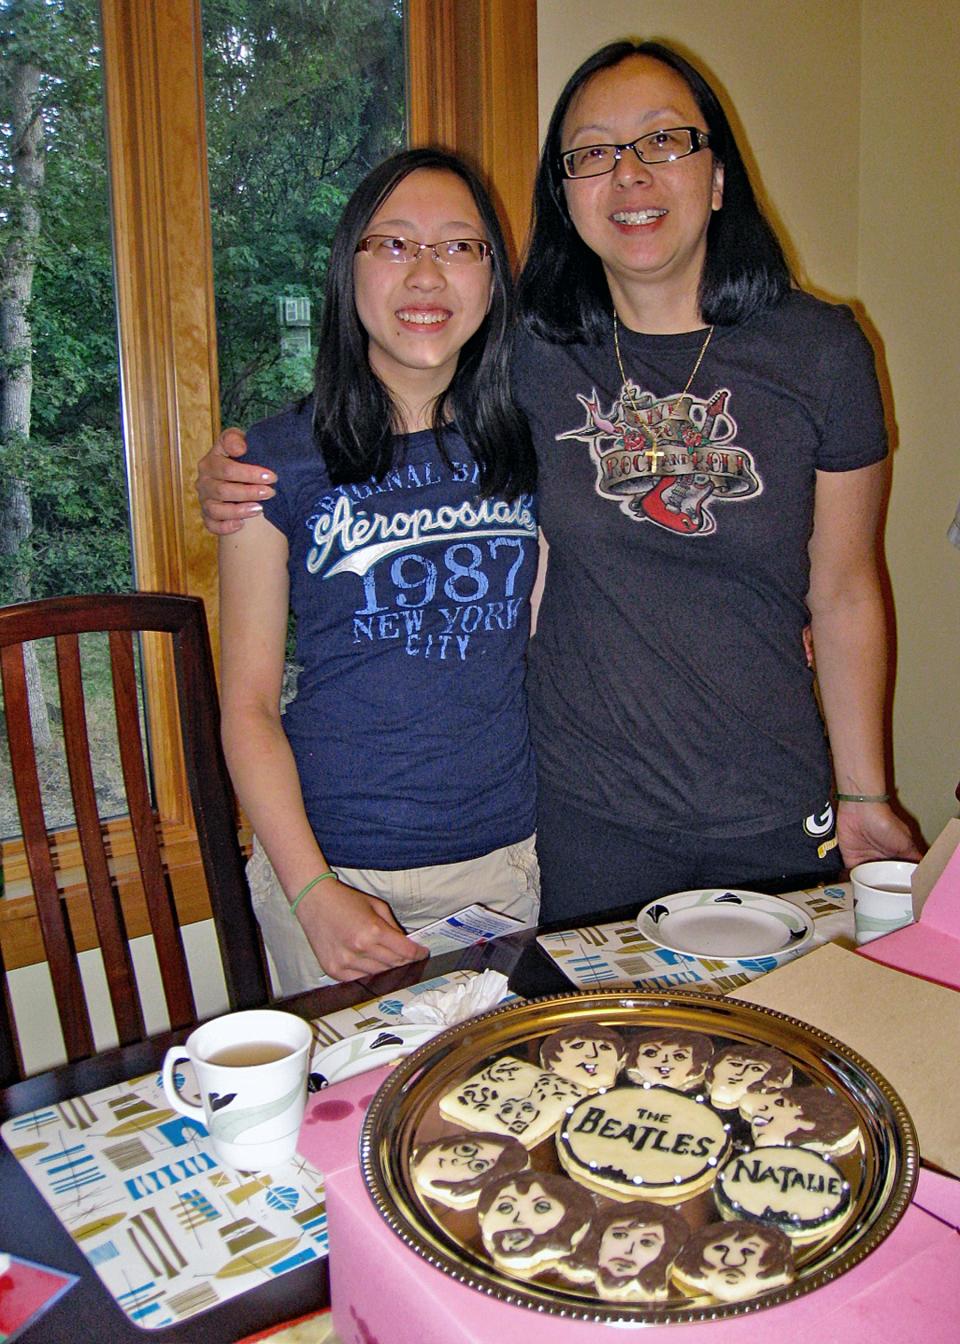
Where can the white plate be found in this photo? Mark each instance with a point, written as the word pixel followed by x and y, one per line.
pixel 724 922
pixel 367 1050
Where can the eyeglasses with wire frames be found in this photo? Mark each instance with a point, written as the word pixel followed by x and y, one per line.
pixel 447 252
pixel 665 146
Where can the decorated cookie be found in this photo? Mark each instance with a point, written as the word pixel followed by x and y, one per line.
pixel 733 1261
pixel 650 1142
pixel 627 1251
pixel 811 1117
pixel 511 1097
pixel 531 1219
pixel 453 1169
pixel 587 1053
pixel 738 1067
pixel 791 1188
pixel 668 1057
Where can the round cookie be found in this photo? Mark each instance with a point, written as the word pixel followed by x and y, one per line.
pixel 733 1261
pixel 454 1169
pixel 739 1067
pixel 668 1057
pixel 791 1188
pixel 650 1142
pixel 531 1219
pixel 809 1117
pixel 627 1251
pixel 587 1053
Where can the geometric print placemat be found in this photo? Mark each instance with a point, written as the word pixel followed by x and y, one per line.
pixel 169 1231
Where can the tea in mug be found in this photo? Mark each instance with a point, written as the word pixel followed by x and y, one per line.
pixel 247 1053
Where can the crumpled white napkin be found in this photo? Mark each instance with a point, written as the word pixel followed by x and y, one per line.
pixel 458 1003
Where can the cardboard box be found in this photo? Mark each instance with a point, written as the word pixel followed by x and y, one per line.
pixel 930 947
pixel 384 1293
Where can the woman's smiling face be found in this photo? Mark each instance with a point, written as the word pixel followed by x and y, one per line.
pixel 418 315
pixel 646 222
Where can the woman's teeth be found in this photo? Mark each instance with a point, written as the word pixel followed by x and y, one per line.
pixel 637 216
pixel 423 319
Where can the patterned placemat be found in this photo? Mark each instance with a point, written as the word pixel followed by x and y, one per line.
pixel 169 1231
pixel 609 956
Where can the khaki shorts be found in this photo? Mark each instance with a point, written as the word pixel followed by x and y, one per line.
pixel 506 880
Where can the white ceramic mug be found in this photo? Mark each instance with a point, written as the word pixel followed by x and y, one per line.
pixel 882 897
pixel 251 1071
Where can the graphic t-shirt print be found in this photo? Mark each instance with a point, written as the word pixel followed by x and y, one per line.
pixel 667 460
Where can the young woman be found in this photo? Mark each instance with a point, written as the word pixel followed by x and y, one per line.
pixel 398 786
pixel 712 466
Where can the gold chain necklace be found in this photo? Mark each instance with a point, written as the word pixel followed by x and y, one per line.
pixel 693 372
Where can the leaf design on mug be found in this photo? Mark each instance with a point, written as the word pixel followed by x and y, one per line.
pixel 217 1102
pixel 228 1127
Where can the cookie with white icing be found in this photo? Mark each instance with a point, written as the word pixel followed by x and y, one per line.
pixel 668 1057
pixel 733 1261
pixel 530 1220
pixel 626 1252
pixel 454 1169
pixel 587 1053
pixel 653 1143
pixel 791 1188
pixel 809 1117
pixel 738 1067
pixel 511 1097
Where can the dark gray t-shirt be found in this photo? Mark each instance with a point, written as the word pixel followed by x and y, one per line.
pixel 668 682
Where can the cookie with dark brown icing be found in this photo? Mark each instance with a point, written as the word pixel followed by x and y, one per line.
pixel 532 1219
pixel 738 1067
pixel 668 1057
pixel 627 1251
pixel 733 1261
pixel 810 1117
pixel 587 1053
pixel 454 1169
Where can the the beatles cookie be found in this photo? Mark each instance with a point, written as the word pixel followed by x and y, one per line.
pixel 791 1188
pixel 738 1067
pixel 531 1219
pixel 453 1170
pixel 627 1251
pixel 668 1057
pixel 650 1143
pixel 587 1053
pixel 733 1261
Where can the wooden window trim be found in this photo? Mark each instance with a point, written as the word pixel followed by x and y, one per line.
pixel 472 85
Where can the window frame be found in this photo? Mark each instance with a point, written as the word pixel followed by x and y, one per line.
pixel 471 67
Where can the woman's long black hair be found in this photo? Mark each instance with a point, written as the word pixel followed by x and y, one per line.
pixel 563 293
pixel 354 416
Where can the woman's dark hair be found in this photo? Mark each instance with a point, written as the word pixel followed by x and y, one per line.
pixel 354 416
pixel 563 293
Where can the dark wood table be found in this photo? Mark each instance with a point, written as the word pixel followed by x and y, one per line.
pixel 31 1229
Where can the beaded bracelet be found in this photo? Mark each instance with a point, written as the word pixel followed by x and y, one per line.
pixel 863 797
pixel 309 887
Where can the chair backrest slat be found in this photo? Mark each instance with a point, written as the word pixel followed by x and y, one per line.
pixel 105 900
pixel 158 896
pixel 123 616
pixel 51 913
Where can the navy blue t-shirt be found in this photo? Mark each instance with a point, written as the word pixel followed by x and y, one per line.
pixel 411 597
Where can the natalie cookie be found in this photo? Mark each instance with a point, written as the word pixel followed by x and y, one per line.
pixel 791 1188
pixel 733 1261
pixel 530 1220
pixel 454 1169
pixel 653 1143
pixel 511 1097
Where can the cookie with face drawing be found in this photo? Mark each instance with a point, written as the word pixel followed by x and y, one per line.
pixel 733 1261
pixel 626 1252
pixel 532 1219
pixel 511 1096
pixel 454 1169
pixel 738 1067
pixel 810 1117
pixel 668 1057
pixel 587 1053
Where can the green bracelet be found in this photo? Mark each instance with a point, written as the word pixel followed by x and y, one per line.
pixel 863 797
pixel 309 887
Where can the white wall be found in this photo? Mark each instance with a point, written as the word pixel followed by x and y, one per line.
pixel 851 119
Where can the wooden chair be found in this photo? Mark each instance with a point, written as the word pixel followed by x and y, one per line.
pixel 123 616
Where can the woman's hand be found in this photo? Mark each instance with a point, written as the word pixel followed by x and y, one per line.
pixel 228 489
pixel 868 831
pixel 353 934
